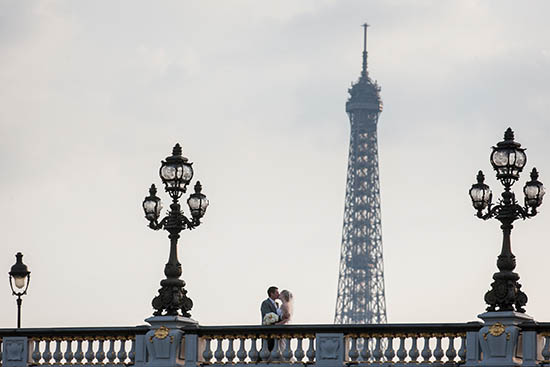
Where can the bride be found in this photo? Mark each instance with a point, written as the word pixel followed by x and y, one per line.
pixel 286 315
pixel 286 307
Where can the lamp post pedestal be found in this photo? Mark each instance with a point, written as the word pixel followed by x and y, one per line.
pixel 164 342
pixel 499 338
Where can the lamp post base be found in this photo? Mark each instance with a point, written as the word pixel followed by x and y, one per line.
pixel 172 298
pixel 505 293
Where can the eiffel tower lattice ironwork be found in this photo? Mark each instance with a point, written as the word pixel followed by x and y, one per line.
pixel 361 296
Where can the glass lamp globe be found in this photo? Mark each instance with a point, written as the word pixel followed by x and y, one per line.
pixel 508 159
pixel 176 172
pixel 19 282
pixel 533 190
pixel 480 193
pixel 197 202
pixel 152 204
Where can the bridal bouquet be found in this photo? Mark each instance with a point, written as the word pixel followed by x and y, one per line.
pixel 270 318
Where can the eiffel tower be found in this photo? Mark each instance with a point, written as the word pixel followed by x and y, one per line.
pixel 361 297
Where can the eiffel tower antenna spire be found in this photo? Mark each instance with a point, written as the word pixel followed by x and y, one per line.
pixel 364 71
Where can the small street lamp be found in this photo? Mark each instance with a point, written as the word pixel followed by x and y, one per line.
pixel 508 160
pixel 20 277
pixel 176 173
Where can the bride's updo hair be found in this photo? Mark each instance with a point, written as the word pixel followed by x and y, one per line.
pixel 286 295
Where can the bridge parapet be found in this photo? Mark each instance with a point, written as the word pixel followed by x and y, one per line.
pixel 192 345
pixel 331 345
pixel 70 346
pixel 307 345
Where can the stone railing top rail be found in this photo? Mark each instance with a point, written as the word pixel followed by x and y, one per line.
pixel 76 331
pixel 412 329
pixel 541 327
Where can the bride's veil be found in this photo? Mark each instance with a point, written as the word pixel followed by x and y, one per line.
pixel 288 299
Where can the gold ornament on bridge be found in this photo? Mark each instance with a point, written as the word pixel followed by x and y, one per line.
pixel 162 332
pixel 497 329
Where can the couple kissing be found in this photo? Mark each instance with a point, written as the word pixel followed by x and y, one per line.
pixel 272 313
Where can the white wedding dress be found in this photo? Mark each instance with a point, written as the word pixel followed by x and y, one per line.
pixel 286 317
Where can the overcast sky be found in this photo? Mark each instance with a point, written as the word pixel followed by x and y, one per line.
pixel 95 93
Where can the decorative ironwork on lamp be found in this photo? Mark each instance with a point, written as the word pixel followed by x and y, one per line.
pixel 176 173
pixel 508 160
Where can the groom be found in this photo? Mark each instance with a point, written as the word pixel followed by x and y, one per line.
pixel 269 305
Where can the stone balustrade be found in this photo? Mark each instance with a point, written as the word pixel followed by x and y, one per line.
pixel 83 350
pixel 70 346
pixel 186 344
pixel 299 344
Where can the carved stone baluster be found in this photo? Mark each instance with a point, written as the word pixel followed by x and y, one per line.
pixel 132 353
pixel 218 354
pixel 69 355
pixel 100 354
pixel 36 355
pixel 57 355
pixel 546 348
pixel 90 352
pixel 311 349
pixel 451 351
pixel 207 353
pixel 253 354
pixel 276 352
pixel 402 352
pixel 389 354
pixel 264 352
pixel 111 354
pixel 462 350
pixel 377 353
pixel 365 351
pixel 353 353
pixel 438 351
pixel 426 351
pixel 122 355
pixel 241 353
pixel 47 355
pixel 287 352
pixel 413 353
pixel 230 353
pixel 299 354
pixel 78 355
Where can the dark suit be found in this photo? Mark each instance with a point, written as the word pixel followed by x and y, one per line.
pixel 267 307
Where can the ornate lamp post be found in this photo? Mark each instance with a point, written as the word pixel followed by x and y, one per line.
pixel 20 277
pixel 508 160
pixel 176 173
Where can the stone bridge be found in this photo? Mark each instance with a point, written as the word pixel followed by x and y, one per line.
pixel 502 339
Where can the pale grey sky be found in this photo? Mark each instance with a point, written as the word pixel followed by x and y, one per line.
pixel 95 93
